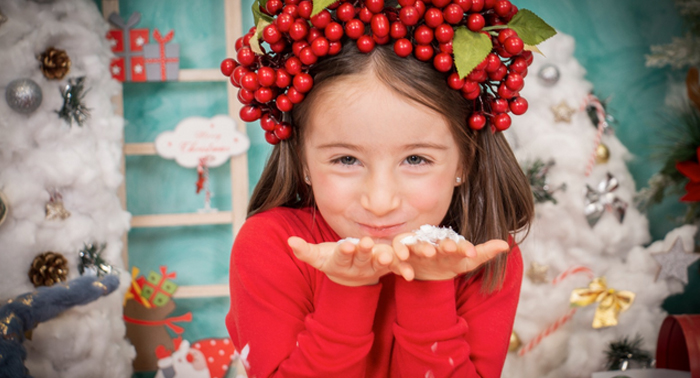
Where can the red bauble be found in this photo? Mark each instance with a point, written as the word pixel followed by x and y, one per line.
pixel 227 66
pixel 442 62
pixel 250 113
pixel 403 47
pixel 518 105
pixel 477 121
pixel 354 28
pixel 365 44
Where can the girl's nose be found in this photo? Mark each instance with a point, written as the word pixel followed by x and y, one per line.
pixel 380 195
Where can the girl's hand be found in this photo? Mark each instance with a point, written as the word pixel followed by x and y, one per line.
pixel 447 260
pixel 349 264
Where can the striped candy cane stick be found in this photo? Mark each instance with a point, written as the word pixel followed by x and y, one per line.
pixel 577 269
pixel 602 124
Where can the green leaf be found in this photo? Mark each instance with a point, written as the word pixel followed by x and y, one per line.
pixel 255 41
pixel 257 14
pixel 470 49
pixel 320 5
pixel 530 28
pixel 263 3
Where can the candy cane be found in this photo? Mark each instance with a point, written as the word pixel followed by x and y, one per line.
pixel 576 269
pixel 602 124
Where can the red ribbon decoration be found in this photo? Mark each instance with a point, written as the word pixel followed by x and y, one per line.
pixel 162 60
pixel 168 322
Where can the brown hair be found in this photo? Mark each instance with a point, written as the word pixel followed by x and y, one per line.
pixel 495 193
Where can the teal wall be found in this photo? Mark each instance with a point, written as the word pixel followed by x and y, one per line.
pixel 612 38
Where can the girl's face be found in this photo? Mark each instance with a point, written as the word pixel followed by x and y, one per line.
pixel 379 164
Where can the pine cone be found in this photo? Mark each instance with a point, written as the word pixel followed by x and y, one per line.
pixel 48 269
pixel 55 63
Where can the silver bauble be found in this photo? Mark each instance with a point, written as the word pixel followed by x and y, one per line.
pixel 548 75
pixel 23 95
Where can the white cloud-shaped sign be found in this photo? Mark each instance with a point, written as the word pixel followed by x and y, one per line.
pixel 195 138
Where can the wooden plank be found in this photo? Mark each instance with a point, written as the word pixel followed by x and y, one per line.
pixel 139 149
pixel 171 220
pixel 201 291
pixel 211 74
pixel 239 164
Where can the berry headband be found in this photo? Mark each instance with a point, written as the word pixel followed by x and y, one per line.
pixel 483 46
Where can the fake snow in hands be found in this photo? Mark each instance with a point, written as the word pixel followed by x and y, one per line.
pixel 355 241
pixel 432 234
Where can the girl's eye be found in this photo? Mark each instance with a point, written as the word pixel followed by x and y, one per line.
pixel 415 160
pixel 347 160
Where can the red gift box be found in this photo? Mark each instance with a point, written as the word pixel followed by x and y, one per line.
pixel 129 65
pixel 678 347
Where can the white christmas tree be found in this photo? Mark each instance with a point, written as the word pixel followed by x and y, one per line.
pixel 574 241
pixel 42 154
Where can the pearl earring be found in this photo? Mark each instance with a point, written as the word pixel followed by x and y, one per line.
pixel 307 179
pixel 458 179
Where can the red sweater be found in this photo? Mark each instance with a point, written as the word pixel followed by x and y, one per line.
pixel 298 323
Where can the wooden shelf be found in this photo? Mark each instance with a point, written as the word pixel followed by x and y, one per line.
pixel 209 74
pixel 201 291
pixel 190 219
pixel 131 149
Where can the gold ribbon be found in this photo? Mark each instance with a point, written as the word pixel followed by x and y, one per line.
pixel 610 302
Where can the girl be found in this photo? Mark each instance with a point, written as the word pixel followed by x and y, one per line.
pixel 380 147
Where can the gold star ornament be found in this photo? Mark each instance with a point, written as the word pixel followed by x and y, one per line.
pixel 537 273
pixel 563 112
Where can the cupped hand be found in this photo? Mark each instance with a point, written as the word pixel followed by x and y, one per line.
pixel 448 259
pixel 351 264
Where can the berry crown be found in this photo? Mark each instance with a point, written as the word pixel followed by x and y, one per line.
pixel 482 46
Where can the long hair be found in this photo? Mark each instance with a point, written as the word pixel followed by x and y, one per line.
pixel 494 202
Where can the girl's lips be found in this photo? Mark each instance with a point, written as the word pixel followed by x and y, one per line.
pixel 381 231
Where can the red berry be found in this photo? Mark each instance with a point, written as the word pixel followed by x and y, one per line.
pixel 271 34
pixel 477 121
pixel 473 94
pixel 295 96
pixel 489 4
pixel 365 15
pixel 291 2
pixel 345 12
pixel 247 37
pixel 493 62
pixel 227 66
pixel 245 96
pixel 514 45
pixel 501 121
pixel 398 30
pixel 284 21
pixel 298 30
pixel 237 74
pixel 250 113
pixel 321 20
pixel 514 82
pixel 245 56
pixel 273 6
pixel 470 86
pixel 423 35
pixel 291 10
pixel 264 95
pixel 477 5
pixel 279 46
pixel 335 5
pixel 313 34
pixel 283 103
pixel 506 93
pixel 499 74
pixel 440 3
pixel 403 47
pixel 334 31
pixel 466 5
pixel 307 56
pixel 518 65
pixel 477 75
pixel 454 82
pixel 381 40
pixel 444 33
pixel 304 8
pixel 453 14
pixel 266 76
pixel 375 6
pixel 250 82
pixel 442 62
pixel 528 56
pixel 499 105
pixel 303 82
pixel 271 138
pixel 433 17
pixel 518 105
pixel 423 52
pixel 283 130
pixel 320 46
pixel 239 43
pixel 298 46
pixel 505 34
pixel 354 28
pixel 267 122
pixel 420 7
pixel 334 48
pixel 283 79
pixel 409 15
pixel 475 22
pixel 446 47
pixel 293 65
pixel 365 44
pixel 502 7
pixel 405 3
pixel 380 25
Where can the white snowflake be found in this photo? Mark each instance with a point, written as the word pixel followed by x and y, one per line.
pixel 116 70
pixel 138 68
pixel 112 42
pixel 140 41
